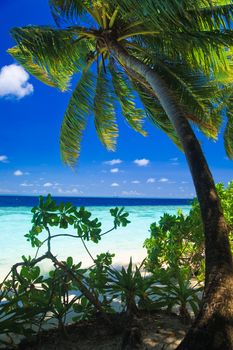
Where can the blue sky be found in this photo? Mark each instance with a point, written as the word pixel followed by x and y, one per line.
pixel 31 115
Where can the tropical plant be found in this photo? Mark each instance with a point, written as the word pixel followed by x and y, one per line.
pixel 179 292
pixel 131 287
pixel 175 251
pixel 177 241
pixel 177 57
pixel 29 300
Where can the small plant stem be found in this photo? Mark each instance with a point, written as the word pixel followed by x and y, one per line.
pixel 49 238
pixel 67 235
pixel 92 298
pixel 87 250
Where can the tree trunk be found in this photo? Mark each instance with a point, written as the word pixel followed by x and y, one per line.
pixel 213 327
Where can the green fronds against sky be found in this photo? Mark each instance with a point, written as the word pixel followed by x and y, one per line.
pixel 228 142
pixel 124 92
pixel 104 110
pixel 60 53
pixel 189 43
pixel 76 116
pixel 26 60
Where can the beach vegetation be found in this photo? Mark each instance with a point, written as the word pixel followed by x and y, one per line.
pixel 30 300
pixel 131 286
pixel 170 278
pixel 176 254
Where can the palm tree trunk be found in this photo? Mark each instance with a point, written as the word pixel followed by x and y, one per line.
pixel 213 328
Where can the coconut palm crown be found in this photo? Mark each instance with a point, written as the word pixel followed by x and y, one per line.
pixel 188 43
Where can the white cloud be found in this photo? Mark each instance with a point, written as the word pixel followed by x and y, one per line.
pixel 173 159
pixel 4 159
pixel 71 191
pixel 130 193
pixel 8 191
pixel 113 162
pixel 114 170
pixel 18 173
pixel 142 162
pixel 184 182
pixel 14 82
pixel 47 184
pixel 163 179
pixel 115 184
pixel 151 180
pixel 135 182
pixel 25 184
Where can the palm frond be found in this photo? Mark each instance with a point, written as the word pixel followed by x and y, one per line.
pixel 75 10
pixel 66 8
pixel 156 114
pixel 178 16
pixel 200 50
pixel 58 52
pixel 227 102
pixel 124 91
pixel 194 92
pixel 26 61
pixel 197 95
pixel 104 111
pixel 228 136
pixel 75 119
pixel 218 14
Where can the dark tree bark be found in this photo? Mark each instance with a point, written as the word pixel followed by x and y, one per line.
pixel 213 327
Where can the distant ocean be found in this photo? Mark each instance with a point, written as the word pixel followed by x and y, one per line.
pixel 30 201
pixel 15 222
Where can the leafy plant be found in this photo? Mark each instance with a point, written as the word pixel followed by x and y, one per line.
pixel 176 242
pixel 176 254
pixel 178 292
pixel 29 300
pixel 130 286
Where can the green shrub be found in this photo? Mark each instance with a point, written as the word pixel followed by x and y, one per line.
pixel 131 287
pixel 28 300
pixel 175 254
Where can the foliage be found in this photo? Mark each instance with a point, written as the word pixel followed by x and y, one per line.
pixel 176 254
pixel 176 242
pixel 49 214
pixel 188 44
pixel 179 292
pixel 130 287
pixel 29 300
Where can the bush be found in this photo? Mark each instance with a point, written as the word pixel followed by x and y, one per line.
pixel 176 254
pixel 29 300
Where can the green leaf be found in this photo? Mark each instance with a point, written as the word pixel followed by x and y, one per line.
pixel 69 261
pixel 75 119
pixel 124 91
pixel 228 136
pixel 104 112
pixel 54 51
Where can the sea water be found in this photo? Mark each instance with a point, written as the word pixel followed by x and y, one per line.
pixel 125 242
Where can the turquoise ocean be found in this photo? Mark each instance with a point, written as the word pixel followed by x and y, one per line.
pixel 15 222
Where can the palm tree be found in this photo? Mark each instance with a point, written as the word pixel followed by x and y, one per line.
pixel 174 55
